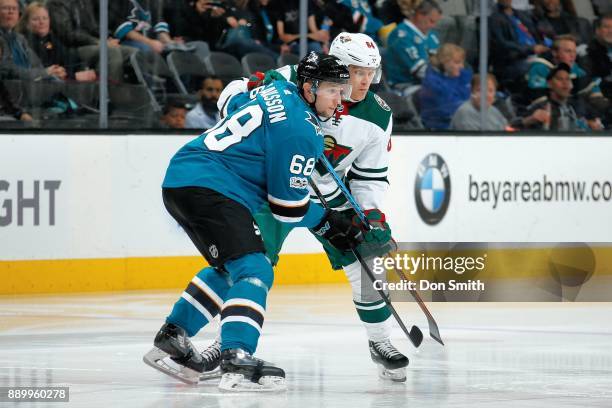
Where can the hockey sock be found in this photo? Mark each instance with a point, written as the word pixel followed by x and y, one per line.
pixel 243 312
pixel 201 301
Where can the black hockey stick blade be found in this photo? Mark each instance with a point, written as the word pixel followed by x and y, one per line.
pixel 415 335
pixel 434 331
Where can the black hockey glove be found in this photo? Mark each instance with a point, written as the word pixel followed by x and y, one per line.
pixel 339 231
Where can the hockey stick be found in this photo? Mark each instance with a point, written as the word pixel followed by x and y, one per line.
pixel 434 331
pixel 414 335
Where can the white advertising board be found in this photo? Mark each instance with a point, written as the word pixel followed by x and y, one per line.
pixel 84 196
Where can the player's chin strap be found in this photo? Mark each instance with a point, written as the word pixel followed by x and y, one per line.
pixel 434 331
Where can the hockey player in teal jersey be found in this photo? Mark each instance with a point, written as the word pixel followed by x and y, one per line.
pixel 263 151
pixel 358 145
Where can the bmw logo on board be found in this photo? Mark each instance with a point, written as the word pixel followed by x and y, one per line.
pixel 432 189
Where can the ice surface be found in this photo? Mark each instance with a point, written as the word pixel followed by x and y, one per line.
pixel 496 355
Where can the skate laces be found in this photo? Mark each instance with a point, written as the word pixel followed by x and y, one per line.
pixel 386 348
pixel 213 352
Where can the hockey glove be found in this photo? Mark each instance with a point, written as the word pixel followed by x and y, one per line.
pixel 378 240
pixel 273 75
pixel 338 229
pixel 255 80
pixel 259 78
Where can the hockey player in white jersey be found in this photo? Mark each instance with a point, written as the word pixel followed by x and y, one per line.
pixel 357 144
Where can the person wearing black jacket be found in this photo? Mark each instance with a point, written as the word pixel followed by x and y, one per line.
pixel 75 23
pixel 513 39
pixel 553 20
pixel 599 60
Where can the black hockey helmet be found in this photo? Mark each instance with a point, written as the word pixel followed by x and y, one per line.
pixel 317 68
pixel 321 67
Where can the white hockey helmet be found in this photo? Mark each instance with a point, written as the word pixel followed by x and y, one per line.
pixel 357 49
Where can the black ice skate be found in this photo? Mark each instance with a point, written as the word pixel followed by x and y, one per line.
pixel 243 372
pixel 175 355
pixel 391 363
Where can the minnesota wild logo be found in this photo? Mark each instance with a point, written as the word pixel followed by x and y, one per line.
pixel 334 152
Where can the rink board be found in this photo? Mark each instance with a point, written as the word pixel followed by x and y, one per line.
pixel 84 212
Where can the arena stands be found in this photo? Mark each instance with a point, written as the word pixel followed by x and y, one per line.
pixel 160 51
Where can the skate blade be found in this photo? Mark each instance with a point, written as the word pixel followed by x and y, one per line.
pixel 161 361
pixel 237 383
pixel 396 375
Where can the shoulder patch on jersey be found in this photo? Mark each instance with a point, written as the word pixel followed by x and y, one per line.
pixel 372 110
pixel 382 103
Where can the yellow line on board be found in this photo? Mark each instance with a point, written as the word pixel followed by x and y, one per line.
pixel 115 274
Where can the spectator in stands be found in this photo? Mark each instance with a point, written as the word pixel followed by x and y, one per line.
pixel 553 19
pixel 412 42
pixel 467 117
pixel 75 24
pixel 587 97
pixel 246 30
pixel 9 110
pixel 206 114
pixel 199 20
pixel 35 25
pixel 513 39
pixel 263 29
pixel 600 54
pixel 561 115
pixel 363 17
pixel 288 27
pixel 18 59
pixel 140 24
pixel 339 14
pixel 173 115
pixel 390 12
pixel 445 87
pixel 602 7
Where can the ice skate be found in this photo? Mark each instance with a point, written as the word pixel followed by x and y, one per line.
pixel 391 363
pixel 175 355
pixel 243 372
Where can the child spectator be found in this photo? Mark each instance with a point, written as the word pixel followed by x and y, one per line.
pixel 445 87
pixel 173 115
